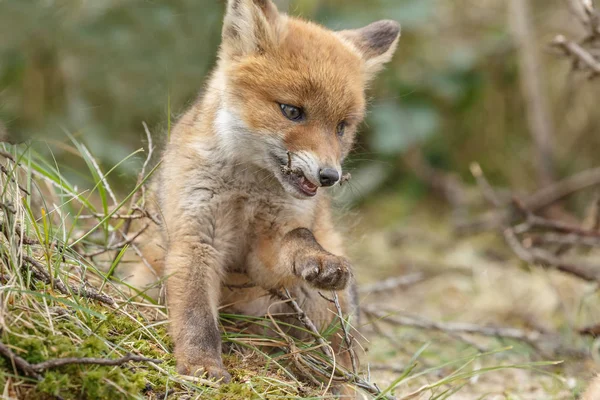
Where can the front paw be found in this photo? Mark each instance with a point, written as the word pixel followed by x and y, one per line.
pixel 207 368
pixel 323 270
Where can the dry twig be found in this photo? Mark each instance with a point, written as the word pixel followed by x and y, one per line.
pixel 303 318
pixel 392 283
pixel 34 370
pixel 530 71
pixel 317 365
pixel 42 274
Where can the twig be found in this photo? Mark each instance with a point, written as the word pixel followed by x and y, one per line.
pixel 348 338
pixel 34 370
pixel 7 155
pixel 393 283
pixel 136 196
pixel 59 362
pixel 537 255
pixel 592 330
pixel 141 176
pixel 571 239
pixel 303 318
pixel 119 245
pixel 56 283
pixel 19 362
pixel 533 220
pixel 580 54
pixel 345 178
pixel 288 169
pixel 539 200
pixel 488 192
pixel 113 216
pixel 583 271
pixel 314 363
pixel 530 71
pixel 9 176
pixel 455 327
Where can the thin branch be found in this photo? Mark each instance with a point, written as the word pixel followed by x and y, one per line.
pixel 57 284
pixel 59 362
pixel 119 245
pixel 113 216
pixel 530 71
pixel 454 327
pixel 348 338
pixel 34 370
pixel 577 52
pixel 587 272
pixel 537 255
pixel 393 283
pixel 19 362
pixel 303 318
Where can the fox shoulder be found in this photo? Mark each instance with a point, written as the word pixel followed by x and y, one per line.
pixel 593 391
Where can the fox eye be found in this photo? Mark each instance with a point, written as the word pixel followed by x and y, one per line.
pixel 292 113
pixel 341 128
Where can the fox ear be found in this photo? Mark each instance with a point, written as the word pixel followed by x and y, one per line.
pixel 250 26
pixel 376 43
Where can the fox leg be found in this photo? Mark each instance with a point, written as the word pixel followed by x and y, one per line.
pixel 194 271
pixel 300 263
pixel 297 258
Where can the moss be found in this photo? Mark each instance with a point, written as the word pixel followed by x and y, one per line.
pixel 36 343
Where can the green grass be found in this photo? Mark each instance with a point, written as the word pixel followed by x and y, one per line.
pixel 46 234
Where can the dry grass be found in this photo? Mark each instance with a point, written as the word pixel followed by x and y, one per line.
pixel 57 302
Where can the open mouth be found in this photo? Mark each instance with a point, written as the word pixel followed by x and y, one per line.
pixel 295 176
pixel 302 184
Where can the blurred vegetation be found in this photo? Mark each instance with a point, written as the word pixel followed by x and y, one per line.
pixel 98 69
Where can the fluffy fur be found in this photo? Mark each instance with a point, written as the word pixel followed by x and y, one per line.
pixel 230 215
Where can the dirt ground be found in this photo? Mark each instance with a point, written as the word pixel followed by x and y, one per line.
pixel 472 279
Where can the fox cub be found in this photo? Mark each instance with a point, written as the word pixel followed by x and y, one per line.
pixel 241 184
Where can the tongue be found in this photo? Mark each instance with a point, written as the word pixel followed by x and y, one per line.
pixel 307 185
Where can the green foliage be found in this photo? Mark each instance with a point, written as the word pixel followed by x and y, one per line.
pixel 99 69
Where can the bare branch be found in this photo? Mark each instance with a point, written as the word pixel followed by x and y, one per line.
pixel 530 71
pixel 454 327
pixel 303 318
pixel 42 274
pixel 393 283
pixel 580 54
pixel 34 370
pixel 59 362
pixel 19 362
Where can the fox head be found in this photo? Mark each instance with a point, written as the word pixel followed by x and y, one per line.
pixel 292 93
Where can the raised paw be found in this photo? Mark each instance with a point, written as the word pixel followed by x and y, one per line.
pixel 323 270
pixel 209 370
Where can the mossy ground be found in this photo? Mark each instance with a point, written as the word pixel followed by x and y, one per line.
pixel 469 279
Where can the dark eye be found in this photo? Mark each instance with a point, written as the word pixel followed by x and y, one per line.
pixel 292 112
pixel 340 128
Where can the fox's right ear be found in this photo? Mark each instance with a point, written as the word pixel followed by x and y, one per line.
pixel 250 26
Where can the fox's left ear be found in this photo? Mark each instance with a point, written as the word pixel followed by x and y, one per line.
pixel 376 43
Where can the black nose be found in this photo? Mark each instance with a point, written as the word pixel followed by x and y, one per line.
pixel 328 176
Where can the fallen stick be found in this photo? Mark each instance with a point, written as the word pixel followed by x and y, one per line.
pixel 34 370
pixel 57 284
pixel 392 283
pixel 454 327
pixel 303 318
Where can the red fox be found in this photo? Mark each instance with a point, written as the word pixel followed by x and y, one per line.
pixel 241 187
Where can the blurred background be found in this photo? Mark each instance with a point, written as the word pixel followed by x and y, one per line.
pixel 452 95
pixel 472 81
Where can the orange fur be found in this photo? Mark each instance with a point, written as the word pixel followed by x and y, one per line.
pixel 229 212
